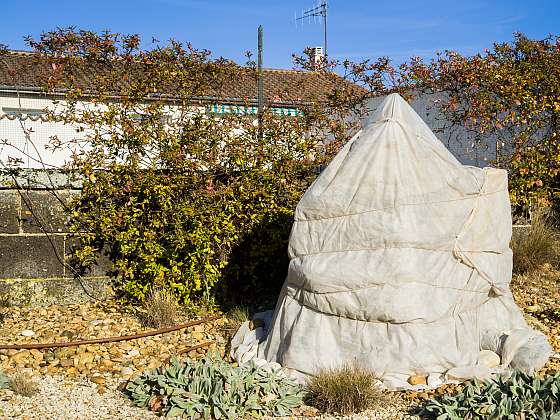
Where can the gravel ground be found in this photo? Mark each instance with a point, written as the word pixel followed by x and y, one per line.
pixel 396 408
pixel 93 320
pixel 83 383
pixel 65 399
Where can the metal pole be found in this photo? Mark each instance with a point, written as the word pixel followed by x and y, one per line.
pixel 325 26
pixel 260 84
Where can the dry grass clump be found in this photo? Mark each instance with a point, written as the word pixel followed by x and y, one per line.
pixel 536 245
pixel 161 309
pixel 237 316
pixel 22 384
pixel 344 390
pixel 234 318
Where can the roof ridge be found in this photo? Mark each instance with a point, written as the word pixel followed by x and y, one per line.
pixel 19 52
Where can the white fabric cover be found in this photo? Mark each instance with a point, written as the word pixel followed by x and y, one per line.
pixel 400 258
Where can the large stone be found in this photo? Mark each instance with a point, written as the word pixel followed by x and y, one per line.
pixel 45 210
pixel 9 212
pixel 31 257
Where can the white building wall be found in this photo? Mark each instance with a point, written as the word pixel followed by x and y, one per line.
pixel 19 116
pixel 26 138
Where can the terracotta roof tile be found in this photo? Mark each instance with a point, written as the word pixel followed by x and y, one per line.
pixel 29 70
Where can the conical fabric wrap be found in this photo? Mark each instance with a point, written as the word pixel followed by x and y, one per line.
pixel 400 258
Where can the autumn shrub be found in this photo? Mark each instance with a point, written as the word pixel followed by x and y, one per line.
pixel 536 244
pixel 344 390
pixel 201 205
pixel 196 204
pixel 505 101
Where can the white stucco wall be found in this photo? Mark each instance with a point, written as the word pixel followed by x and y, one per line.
pixel 33 149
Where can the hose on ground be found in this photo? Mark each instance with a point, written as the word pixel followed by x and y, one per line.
pixel 28 346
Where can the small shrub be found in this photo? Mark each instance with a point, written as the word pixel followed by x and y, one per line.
pixel 521 396
pixel 22 384
pixel 345 390
pixel 161 309
pixel 536 245
pixel 234 319
pixel 212 388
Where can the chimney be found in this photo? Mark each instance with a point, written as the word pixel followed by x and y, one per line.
pixel 317 57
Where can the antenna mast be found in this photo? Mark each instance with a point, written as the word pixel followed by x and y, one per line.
pixel 318 11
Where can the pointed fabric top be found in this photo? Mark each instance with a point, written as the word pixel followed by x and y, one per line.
pixel 395 160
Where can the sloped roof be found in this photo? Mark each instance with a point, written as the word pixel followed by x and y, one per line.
pixel 29 71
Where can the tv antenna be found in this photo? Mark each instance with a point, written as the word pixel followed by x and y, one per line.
pixel 320 10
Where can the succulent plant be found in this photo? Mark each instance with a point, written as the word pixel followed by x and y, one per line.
pixel 4 380
pixel 212 388
pixel 521 396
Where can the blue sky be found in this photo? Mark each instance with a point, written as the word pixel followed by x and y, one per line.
pixel 357 28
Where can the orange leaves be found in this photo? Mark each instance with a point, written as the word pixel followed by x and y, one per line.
pixel 511 93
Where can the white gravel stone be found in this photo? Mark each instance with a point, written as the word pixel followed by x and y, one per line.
pixel 133 353
pixel 127 370
pixel 63 399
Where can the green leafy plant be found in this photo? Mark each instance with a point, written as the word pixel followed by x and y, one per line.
pixel 344 390
pixel 521 396
pixel 4 380
pixel 212 388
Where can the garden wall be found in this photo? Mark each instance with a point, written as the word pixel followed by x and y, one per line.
pixel 35 242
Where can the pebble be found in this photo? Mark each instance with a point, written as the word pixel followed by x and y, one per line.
pixel 98 379
pixel 127 371
pixel 74 386
pixel 133 353
pixel 489 358
pixel 28 333
pixel 418 380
